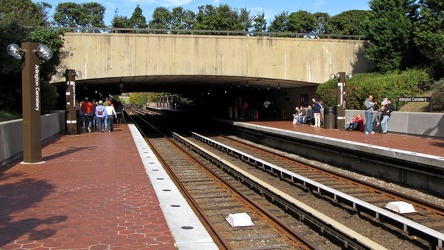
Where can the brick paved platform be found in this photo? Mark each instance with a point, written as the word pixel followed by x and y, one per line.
pixel 91 192
pixel 432 146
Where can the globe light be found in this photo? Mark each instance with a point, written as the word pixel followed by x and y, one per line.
pixel 14 51
pixel 44 52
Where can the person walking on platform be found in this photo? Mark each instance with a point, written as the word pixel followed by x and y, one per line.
pixel 386 116
pixel 110 117
pixel 94 118
pixel 369 105
pixel 317 112
pixel 87 108
pixel 101 114
pixel 119 110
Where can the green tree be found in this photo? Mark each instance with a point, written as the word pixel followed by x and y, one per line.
pixel 349 22
pixel 161 18
pixel 24 12
pixel 280 23
pixel 206 18
pixel 259 22
pixel 85 15
pixel 389 29
pixel 245 21
pixel 67 14
pixel 137 20
pixel 23 21
pixel 222 17
pixel 225 18
pixel 93 14
pixel 429 34
pixel 322 23
pixel 138 98
pixel 302 22
pixel 119 21
pixel 182 19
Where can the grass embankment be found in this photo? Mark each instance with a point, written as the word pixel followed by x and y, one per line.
pixel 7 116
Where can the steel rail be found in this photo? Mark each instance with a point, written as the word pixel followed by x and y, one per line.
pixel 219 238
pixel 324 223
pixel 419 203
pixel 406 225
pixel 290 233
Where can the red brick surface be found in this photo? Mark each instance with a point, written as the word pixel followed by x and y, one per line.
pixel 91 192
pixel 396 141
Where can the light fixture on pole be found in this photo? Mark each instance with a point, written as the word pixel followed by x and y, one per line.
pixel 71 112
pixel 30 53
pixel 15 51
pixel 340 111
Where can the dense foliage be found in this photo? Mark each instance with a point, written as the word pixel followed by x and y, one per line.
pixel 348 22
pixel 438 95
pixel 429 35
pixel 84 15
pixel 389 28
pixel 15 19
pixel 358 88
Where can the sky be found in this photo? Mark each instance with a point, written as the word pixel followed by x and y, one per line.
pixel 271 8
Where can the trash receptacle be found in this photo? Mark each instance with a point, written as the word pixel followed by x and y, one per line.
pixel 330 118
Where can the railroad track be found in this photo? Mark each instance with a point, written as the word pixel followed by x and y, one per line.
pixel 358 205
pixel 215 199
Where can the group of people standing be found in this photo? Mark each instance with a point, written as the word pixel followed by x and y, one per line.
pixel 382 116
pixel 99 115
pixel 238 109
pixel 312 116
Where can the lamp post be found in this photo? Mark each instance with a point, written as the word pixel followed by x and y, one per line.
pixel 340 110
pixel 32 139
pixel 71 113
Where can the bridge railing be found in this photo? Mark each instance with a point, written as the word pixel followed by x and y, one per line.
pixel 209 32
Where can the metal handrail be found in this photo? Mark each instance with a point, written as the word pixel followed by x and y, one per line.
pixel 205 32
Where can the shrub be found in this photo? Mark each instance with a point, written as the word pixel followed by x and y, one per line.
pixel 438 95
pixel 390 85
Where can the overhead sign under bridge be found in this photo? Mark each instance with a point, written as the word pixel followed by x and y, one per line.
pixel 414 99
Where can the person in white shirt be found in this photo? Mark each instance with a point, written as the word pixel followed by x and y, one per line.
pixel 111 115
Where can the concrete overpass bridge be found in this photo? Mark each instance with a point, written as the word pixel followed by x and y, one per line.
pixel 112 63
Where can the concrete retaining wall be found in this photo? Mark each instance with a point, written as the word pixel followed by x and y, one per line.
pixel 11 134
pixel 413 123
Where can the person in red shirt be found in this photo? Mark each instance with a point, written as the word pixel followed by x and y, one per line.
pixel 357 123
pixel 87 108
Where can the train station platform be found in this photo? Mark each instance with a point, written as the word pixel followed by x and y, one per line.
pixel 108 191
pixel 96 191
pixel 401 142
pixel 412 161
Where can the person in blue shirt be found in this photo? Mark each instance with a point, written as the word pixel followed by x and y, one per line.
pixel 101 114
pixel 317 112
pixel 368 106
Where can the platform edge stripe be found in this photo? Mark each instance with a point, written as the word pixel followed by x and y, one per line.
pixel 183 238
